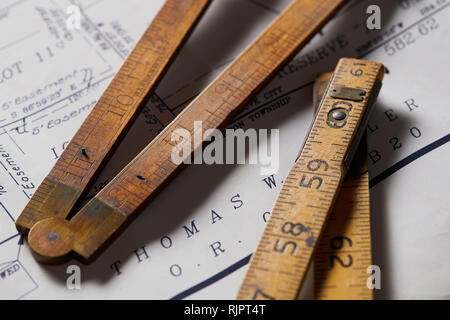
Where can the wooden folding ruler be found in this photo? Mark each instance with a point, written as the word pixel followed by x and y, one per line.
pixel 345 249
pixel 297 227
pixel 55 229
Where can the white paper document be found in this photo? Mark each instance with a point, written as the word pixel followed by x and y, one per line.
pixel 196 237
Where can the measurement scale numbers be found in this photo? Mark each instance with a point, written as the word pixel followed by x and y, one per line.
pixel 345 249
pixel 113 114
pixel 284 253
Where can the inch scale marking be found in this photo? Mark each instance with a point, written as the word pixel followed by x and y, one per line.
pixel 279 265
pixel 102 219
pixel 345 249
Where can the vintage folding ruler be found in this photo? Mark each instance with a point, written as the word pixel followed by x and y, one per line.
pixel 345 249
pixel 55 230
pixel 297 226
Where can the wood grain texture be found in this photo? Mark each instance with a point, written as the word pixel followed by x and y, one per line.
pixel 106 215
pixel 115 111
pixel 292 234
pixel 345 249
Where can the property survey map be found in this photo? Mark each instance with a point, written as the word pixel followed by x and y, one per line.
pixel 199 246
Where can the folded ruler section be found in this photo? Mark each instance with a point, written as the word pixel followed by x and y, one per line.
pixel 107 213
pixel 115 111
pixel 293 232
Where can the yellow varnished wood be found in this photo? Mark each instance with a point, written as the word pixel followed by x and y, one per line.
pixel 293 232
pixel 345 249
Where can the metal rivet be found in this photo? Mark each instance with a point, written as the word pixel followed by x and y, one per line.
pixel 53 237
pixel 339 115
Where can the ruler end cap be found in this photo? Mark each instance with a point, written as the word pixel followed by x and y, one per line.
pixel 51 240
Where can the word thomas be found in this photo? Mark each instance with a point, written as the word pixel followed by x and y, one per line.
pixel 238 146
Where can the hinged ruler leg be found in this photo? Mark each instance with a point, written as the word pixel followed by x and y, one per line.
pixel 113 114
pixel 345 249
